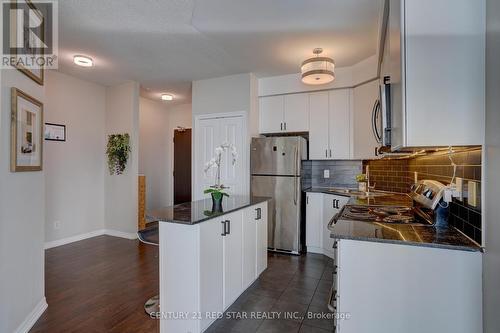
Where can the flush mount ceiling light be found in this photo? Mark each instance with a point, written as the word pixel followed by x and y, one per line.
pixel 166 97
pixel 83 61
pixel 318 70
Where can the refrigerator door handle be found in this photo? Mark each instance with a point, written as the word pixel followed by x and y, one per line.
pixel 295 199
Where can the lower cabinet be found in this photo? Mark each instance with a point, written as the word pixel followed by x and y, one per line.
pixel 205 267
pixel 320 209
pixel 233 254
pixel 426 289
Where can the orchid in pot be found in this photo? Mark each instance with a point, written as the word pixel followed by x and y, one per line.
pixel 217 190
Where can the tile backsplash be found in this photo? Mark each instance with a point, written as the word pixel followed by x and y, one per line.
pixel 399 174
pixel 342 173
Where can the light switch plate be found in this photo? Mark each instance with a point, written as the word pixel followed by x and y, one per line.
pixel 458 192
pixel 326 173
pixel 472 199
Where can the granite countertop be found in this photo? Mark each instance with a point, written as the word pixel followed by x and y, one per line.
pixel 406 234
pixel 199 211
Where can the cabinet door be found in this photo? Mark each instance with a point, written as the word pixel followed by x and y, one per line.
pixel 314 218
pixel 232 247
pixel 296 116
pixel 364 142
pixel 332 204
pixel 262 220
pixel 211 269
pixel 249 262
pixel 318 126
pixel 271 114
pixel 340 124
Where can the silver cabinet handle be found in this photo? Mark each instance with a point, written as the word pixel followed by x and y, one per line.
pixel 228 227
pixel 259 213
pixel 281 126
pixel 330 153
pixel 285 126
pixel 326 153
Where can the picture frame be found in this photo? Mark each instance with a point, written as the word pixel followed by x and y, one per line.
pixel 36 75
pixel 55 132
pixel 26 153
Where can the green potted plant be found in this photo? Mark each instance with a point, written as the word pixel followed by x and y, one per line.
pixel 218 190
pixel 118 150
pixel 362 182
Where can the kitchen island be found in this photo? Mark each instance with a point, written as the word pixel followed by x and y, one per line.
pixel 208 259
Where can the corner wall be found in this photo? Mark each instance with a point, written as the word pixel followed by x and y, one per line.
pixel 491 259
pixel 120 191
pixel 74 170
pixel 22 223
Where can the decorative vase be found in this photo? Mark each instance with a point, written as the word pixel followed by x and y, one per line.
pixel 217 204
pixel 362 186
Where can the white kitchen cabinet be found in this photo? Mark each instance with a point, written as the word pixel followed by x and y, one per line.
pixel 320 209
pixel 284 113
pixel 211 268
pixel 271 114
pixel 249 247
pixel 319 127
pixel 296 113
pixel 332 204
pixel 415 282
pixel 330 125
pixel 340 124
pixel 233 253
pixel 203 266
pixel 314 219
pixel 261 218
pixel 437 72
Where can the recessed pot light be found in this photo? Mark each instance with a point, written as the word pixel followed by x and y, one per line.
pixel 167 97
pixel 83 61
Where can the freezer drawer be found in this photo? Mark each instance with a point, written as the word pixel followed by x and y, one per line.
pixel 284 210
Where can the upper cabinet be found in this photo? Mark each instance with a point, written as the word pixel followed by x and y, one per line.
pixel 437 73
pixel 330 125
pixel 284 113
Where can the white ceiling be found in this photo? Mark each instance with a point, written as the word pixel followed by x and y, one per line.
pixel 166 44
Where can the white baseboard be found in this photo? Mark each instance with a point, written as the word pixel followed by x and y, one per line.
pixel 31 319
pixel 72 239
pixel 121 234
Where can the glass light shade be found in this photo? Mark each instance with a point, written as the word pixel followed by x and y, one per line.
pixel 318 70
pixel 83 61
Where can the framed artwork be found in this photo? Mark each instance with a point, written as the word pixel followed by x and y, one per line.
pixel 36 74
pixel 55 132
pixel 26 132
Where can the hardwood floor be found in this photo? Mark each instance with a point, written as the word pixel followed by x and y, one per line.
pixel 101 284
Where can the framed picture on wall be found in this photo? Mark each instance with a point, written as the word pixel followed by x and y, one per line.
pixel 55 132
pixel 26 144
pixel 33 72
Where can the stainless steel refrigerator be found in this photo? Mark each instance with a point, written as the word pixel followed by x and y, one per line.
pixel 276 169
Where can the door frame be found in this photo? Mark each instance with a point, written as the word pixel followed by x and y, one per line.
pixel 244 156
pixel 172 149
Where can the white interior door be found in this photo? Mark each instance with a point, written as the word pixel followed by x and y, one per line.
pixel 210 133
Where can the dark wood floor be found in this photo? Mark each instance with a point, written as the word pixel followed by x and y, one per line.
pixel 101 284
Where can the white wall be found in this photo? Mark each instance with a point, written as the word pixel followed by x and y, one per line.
pixel 153 151
pixel 345 77
pixel 180 115
pixel 229 94
pixel 74 170
pixel 120 196
pixel 491 263
pixel 22 221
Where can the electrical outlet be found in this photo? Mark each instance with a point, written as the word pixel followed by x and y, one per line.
pixel 472 200
pixel 458 190
pixel 57 225
pixel 326 173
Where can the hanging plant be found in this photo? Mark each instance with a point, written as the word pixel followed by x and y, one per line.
pixel 118 151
